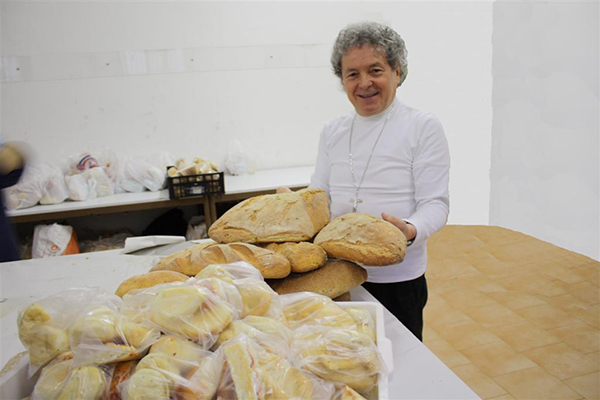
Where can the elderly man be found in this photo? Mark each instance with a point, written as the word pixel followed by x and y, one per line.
pixel 385 158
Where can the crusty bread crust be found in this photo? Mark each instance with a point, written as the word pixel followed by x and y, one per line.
pixel 364 239
pixel 282 217
pixel 191 262
pixel 332 279
pixel 303 256
pixel 148 280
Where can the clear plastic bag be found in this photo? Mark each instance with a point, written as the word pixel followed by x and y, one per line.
pixel 339 355
pixel 54 187
pixel 43 325
pixel 28 191
pixel 102 335
pixel 237 161
pixel 174 368
pixel 306 308
pixel 271 334
pixel 62 380
pixel 99 183
pixel 189 312
pixel 77 187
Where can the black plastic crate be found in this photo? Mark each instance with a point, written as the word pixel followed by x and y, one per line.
pixel 184 187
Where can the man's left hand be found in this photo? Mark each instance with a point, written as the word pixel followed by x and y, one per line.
pixel 407 229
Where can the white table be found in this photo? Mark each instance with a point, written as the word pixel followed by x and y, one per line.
pixel 417 373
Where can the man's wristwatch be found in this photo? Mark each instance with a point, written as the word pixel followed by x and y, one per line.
pixel 409 242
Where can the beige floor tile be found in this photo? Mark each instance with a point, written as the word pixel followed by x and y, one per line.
pixel 493 315
pixel 450 269
pixel 587 385
pixel 484 386
pixel 481 283
pixel 448 354
pixel 562 361
pixel 467 334
pixel 532 283
pixel 466 299
pixel 589 272
pixel 496 359
pixel 516 300
pixel 429 334
pixel 586 292
pixel 581 337
pixel 547 316
pixel 496 269
pixel 554 270
pixel 503 397
pixel 524 336
pixel 442 314
pixel 589 315
pixel 451 285
pixel 594 356
pixel 522 253
pixel 535 383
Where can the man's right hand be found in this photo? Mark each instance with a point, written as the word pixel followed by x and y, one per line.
pixel 283 189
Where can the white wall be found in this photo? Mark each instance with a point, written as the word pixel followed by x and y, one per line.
pixel 545 153
pixel 187 77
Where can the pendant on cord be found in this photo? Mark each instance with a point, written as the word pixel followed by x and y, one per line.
pixel 355 200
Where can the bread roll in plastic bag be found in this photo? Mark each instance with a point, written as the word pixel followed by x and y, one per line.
pixel 255 373
pixel 43 325
pixel 364 321
pixel 62 380
pixel 306 308
pixel 225 291
pixel 257 297
pixel 54 187
pixel 174 369
pixel 190 312
pixel 272 335
pixel 77 187
pixel 340 355
pixel 102 335
pixel 99 183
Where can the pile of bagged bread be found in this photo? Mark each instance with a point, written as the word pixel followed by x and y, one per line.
pixel 223 334
pixel 290 239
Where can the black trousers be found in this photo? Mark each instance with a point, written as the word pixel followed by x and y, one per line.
pixel 406 300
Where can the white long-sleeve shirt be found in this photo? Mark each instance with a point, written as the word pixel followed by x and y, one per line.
pixel 407 177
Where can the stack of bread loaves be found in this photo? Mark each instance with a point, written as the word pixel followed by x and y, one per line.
pixel 223 334
pixel 290 239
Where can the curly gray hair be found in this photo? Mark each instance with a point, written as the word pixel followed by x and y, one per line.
pixel 382 38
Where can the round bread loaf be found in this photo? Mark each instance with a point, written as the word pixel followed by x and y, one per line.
pixel 363 239
pixel 148 280
pixel 332 279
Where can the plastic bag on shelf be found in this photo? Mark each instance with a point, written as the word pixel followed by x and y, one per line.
pixel 28 191
pixel 77 187
pixel 99 183
pixel 237 161
pixel 54 187
pixel 54 240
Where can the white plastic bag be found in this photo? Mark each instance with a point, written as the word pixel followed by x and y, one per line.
pixel 53 240
pixel 28 191
pixel 99 183
pixel 77 187
pixel 238 162
pixel 55 189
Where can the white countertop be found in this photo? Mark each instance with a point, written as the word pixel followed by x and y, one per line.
pixel 417 374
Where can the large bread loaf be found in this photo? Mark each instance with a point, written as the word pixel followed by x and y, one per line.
pixel 282 217
pixel 333 279
pixel 191 261
pixel 363 239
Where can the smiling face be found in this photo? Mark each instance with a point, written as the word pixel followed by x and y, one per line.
pixel 369 81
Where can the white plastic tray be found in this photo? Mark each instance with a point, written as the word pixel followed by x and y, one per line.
pixel 15 385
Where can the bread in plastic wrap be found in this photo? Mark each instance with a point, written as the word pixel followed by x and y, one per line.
pixel 43 325
pixel 364 321
pixel 225 291
pixel 307 308
pixel 103 335
pixel 272 335
pixel 339 355
pixel 60 380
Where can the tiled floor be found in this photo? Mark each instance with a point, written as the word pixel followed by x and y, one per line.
pixel 514 317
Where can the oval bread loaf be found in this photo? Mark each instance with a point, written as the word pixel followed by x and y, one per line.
pixel 282 217
pixel 269 263
pixel 303 256
pixel 148 280
pixel 333 279
pixel 363 239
